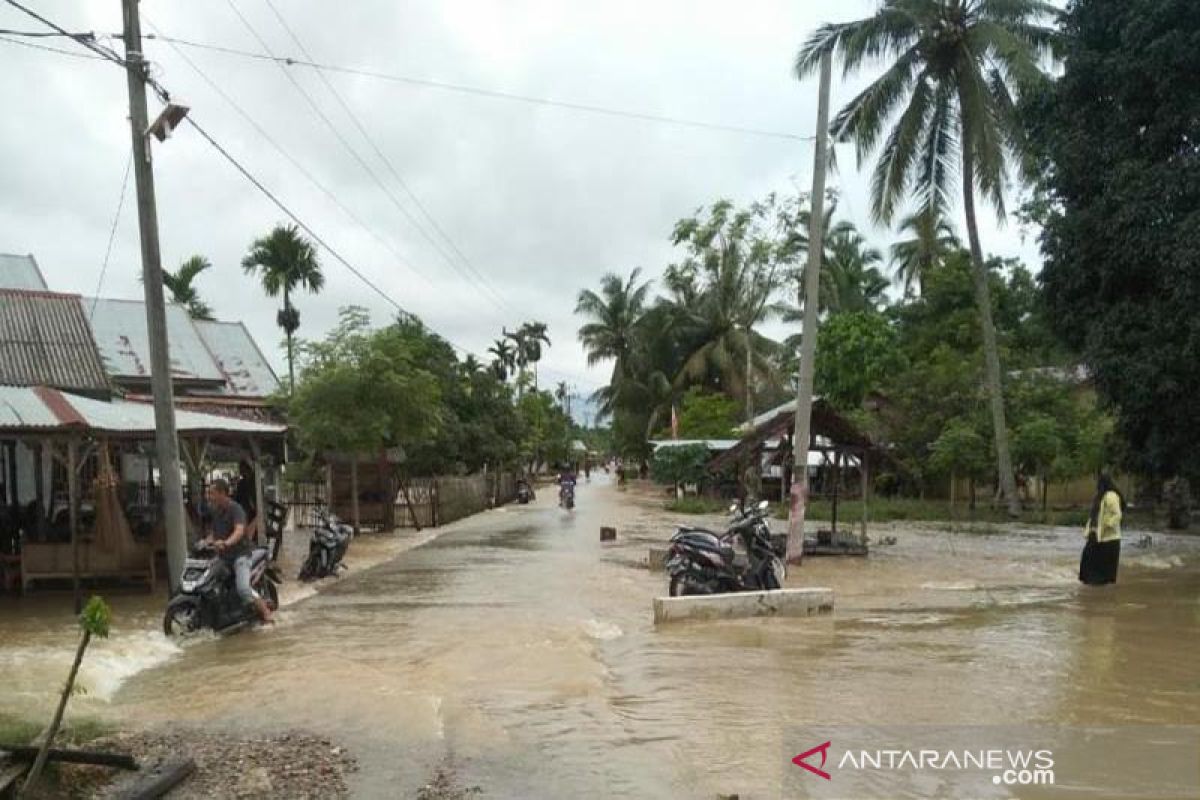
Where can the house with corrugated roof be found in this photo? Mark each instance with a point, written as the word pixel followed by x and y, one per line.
pixel 78 495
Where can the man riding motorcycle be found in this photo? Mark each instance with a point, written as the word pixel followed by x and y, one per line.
pixel 566 482
pixel 228 537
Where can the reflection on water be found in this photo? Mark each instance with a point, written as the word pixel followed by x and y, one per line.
pixel 521 649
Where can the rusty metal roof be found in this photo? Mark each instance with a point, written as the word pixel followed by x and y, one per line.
pixel 20 272
pixel 246 370
pixel 45 339
pixel 119 327
pixel 38 409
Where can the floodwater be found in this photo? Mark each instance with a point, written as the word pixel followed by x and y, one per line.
pixel 519 652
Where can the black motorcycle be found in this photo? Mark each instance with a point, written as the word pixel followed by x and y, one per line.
pixel 524 493
pixel 566 495
pixel 328 544
pixel 208 599
pixel 700 561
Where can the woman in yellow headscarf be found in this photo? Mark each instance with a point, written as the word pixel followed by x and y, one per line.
pixel 1101 554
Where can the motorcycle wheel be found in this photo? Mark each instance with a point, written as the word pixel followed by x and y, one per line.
pixel 307 569
pixel 679 586
pixel 272 595
pixel 182 617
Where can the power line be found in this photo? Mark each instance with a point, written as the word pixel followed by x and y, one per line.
pixel 266 136
pixel 346 144
pixel 87 40
pixel 491 93
pixel 391 167
pixel 47 48
pixel 112 234
pixel 45 34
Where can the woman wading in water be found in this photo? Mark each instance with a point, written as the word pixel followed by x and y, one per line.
pixel 1103 531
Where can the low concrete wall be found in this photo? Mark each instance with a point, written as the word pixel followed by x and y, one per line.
pixel 777 603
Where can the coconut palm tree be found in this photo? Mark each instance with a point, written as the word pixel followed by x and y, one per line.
pixel 503 360
pixel 611 334
pixel 533 336
pixel 562 393
pixel 956 68
pixel 284 262
pixel 179 284
pixel 931 239
pixel 850 279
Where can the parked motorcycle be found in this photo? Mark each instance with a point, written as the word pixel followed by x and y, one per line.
pixel 524 493
pixel 328 544
pixel 208 599
pixel 700 561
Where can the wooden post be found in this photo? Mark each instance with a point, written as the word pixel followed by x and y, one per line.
pixel 260 518
pixel 864 469
pixel 73 515
pixel 354 492
pixel 40 488
pixel 837 480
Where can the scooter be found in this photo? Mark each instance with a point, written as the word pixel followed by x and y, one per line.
pixel 328 544
pixel 524 493
pixel 700 561
pixel 208 599
pixel 566 495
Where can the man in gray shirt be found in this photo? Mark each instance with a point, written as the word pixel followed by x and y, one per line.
pixel 228 536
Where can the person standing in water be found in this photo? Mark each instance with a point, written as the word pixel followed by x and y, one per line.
pixel 1101 554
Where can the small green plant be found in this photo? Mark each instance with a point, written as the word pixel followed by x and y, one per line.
pixel 94 621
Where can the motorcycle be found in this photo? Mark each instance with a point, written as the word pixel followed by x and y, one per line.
pixel 700 561
pixel 328 544
pixel 208 599
pixel 566 495
pixel 524 493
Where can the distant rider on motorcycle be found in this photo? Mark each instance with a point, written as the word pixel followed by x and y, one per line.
pixel 228 537
pixel 565 478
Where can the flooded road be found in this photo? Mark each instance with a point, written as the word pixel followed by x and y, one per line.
pixel 519 651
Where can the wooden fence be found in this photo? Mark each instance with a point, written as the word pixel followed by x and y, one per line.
pixel 419 502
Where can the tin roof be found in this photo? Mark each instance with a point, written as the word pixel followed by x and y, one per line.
pixel 41 409
pixel 246 370
pixel 45 339
pixel 119 327
pixel 20 272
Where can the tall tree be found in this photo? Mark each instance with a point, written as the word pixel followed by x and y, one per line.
pixel 534 336
pixel 503 358
pixel 1120 192
pixel 615 316
pixel 180 284
pixel 851 280
pixel 956 68
pixel 930 238
pixel 284 262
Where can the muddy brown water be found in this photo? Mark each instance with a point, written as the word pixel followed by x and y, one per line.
pixel 520 651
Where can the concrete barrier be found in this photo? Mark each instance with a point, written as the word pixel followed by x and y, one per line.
pixel 776 603
pixel 608 534
pixel 657 559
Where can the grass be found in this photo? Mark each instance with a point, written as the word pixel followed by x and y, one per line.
pixel 56 780
pixel 882 509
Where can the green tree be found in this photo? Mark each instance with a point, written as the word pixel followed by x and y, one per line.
pixel 851 279
pixel 546 431
pixel 284 262
pixel 533 337
pixel 1037 445
pixel 958 67
pixel 503 358
pixel 95 620
pixel 180 284
pixel 680 464
pixel 1120 207
pixel 930 240
pixel 959 451
pixel 706 415
pixel 857 353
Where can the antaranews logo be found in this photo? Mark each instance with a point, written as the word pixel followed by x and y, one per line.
pixel 823 749
pixel 1015 767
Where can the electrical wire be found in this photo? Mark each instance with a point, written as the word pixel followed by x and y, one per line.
pixel 492 93
pixel 346 144
pixel 296 163
pixel 112 235
pixel 480 277
pixel 47 48
pixel 87 40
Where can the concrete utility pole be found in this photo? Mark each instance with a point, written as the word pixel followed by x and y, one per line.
pixel 166 441
pixel 808 343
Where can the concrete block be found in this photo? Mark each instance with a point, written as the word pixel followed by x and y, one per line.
pixel 657 559
pixel 608 534
pixel 776 603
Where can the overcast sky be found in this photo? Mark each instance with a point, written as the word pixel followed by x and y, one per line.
pixel 540 200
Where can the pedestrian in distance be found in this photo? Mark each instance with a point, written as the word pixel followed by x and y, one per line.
pixel 1102 552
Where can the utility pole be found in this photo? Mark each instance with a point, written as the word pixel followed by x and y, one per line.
pixel 166 441
pixel 808 342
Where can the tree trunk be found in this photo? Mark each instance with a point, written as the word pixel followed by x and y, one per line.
pixel 287 305
pixel 52 731
pixel 354 511
pixel 953 486
pixel 991 355
pixel 1045 492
